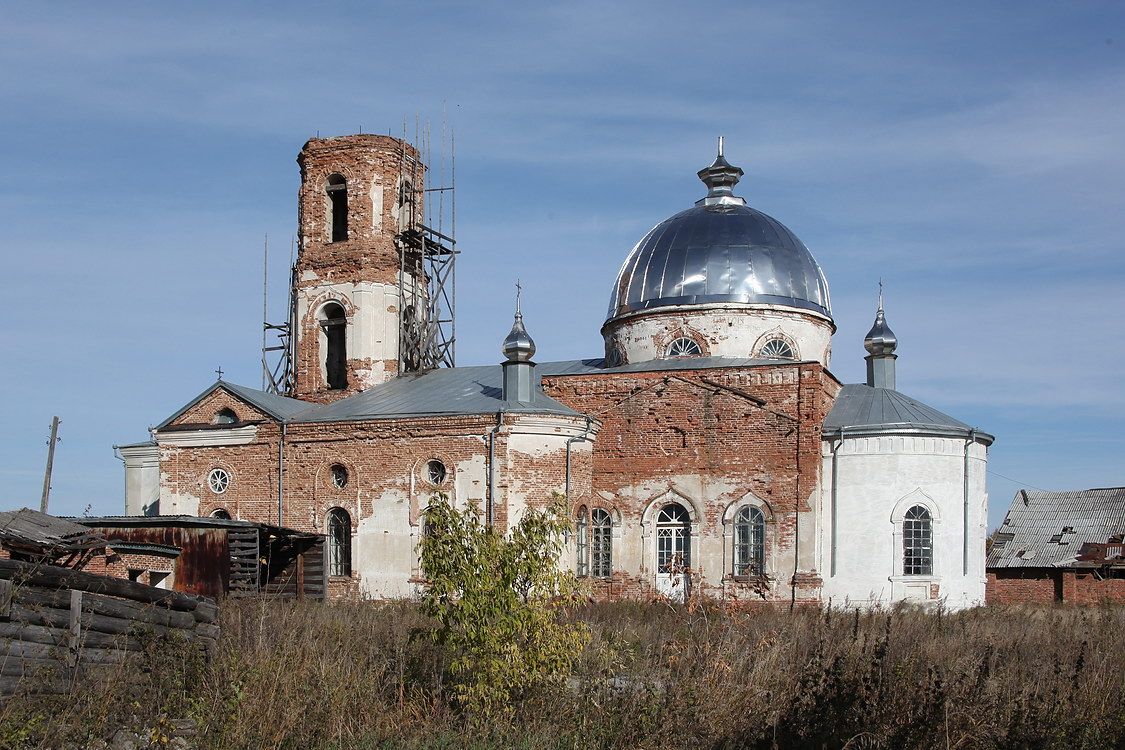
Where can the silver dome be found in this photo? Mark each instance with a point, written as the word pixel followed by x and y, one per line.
pixel 719 251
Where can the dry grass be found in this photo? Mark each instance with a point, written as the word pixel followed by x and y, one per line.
pixel 293 675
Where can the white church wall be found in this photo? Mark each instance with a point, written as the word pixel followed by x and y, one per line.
pixel 727 330
pixel 879 479
pixel 142 479
pixel 373 322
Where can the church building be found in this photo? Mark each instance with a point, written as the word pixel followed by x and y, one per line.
pixel 708 451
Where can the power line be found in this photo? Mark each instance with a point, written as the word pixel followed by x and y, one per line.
pixel 1024 484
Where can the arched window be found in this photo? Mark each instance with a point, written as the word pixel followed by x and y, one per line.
pixel 749 542
pixel 337 208
pixel 582 542
pixel 225 416
pixel 684 347
pixel 339 542
pixel 917 542
pixel 436 472
pixel 339 476
pixel 603 543
pixel 777 349
pixel 335 326
pixel 673 539
pixel 220 513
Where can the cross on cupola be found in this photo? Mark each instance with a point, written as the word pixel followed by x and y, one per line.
pixel 720 179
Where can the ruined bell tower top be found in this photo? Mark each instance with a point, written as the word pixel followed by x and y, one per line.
pixel 357 193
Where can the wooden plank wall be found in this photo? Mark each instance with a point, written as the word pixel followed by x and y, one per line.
pixel 58 624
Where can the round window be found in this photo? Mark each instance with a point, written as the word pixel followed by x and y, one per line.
pixel 684 347
pixel 339 476
pixel 435 472
pixel 218 480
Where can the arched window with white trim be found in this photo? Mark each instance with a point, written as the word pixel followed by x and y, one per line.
pixel 917 542
pixel 749 542
pixel 339 541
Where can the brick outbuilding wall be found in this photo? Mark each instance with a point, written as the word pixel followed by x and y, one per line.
pixel 1044 586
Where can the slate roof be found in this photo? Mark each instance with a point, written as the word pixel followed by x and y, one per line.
pixel 1047 529
pixel 28 529
pixel 861 409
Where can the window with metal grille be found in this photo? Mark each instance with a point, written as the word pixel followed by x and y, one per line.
pixel 684 347
pixel 339 542
pixel 339 476
pixel 602 543
pixel 777 349
pixel 673 539
pixel 337 189
pixel 218 480
pixel 917 543
pixel 582 543
pixel 749 542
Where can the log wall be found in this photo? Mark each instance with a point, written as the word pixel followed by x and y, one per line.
pixel 57 625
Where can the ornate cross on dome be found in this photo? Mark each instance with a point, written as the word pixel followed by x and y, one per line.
pixel 519 289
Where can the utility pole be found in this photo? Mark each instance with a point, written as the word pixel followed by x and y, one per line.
pixel 50 463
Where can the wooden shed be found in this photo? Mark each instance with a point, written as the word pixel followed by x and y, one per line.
pixel 213 556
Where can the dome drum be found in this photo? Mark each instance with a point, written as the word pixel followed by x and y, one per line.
pixel 725 260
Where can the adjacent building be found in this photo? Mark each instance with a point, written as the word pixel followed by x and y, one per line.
pixel 1060 547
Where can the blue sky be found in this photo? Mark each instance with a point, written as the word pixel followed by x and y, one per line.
pixel 972 155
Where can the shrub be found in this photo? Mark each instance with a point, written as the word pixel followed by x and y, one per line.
pixel 496 600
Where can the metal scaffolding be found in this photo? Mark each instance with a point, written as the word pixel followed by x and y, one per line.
pixel 427 272
pixel 427 259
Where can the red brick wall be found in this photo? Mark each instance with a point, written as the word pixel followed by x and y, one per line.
pixel 1021 586
pixel 660 425
pixel 1083 587
pixel 1043 586
pixel 368 254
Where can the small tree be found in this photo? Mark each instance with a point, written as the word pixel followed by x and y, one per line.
pixel 497 601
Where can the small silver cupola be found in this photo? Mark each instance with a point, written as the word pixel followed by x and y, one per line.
pixel 518 350
pixel 720 179
pixel 880 344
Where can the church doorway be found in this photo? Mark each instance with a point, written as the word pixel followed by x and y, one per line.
pixel 673 552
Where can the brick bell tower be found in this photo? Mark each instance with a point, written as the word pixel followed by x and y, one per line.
pixel 359 194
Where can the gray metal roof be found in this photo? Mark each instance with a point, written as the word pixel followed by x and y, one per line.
pixel 456 390
pixel 725 253
pixel 278 407
pixel 459 390
pixel 1047 529
pixel 862 409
